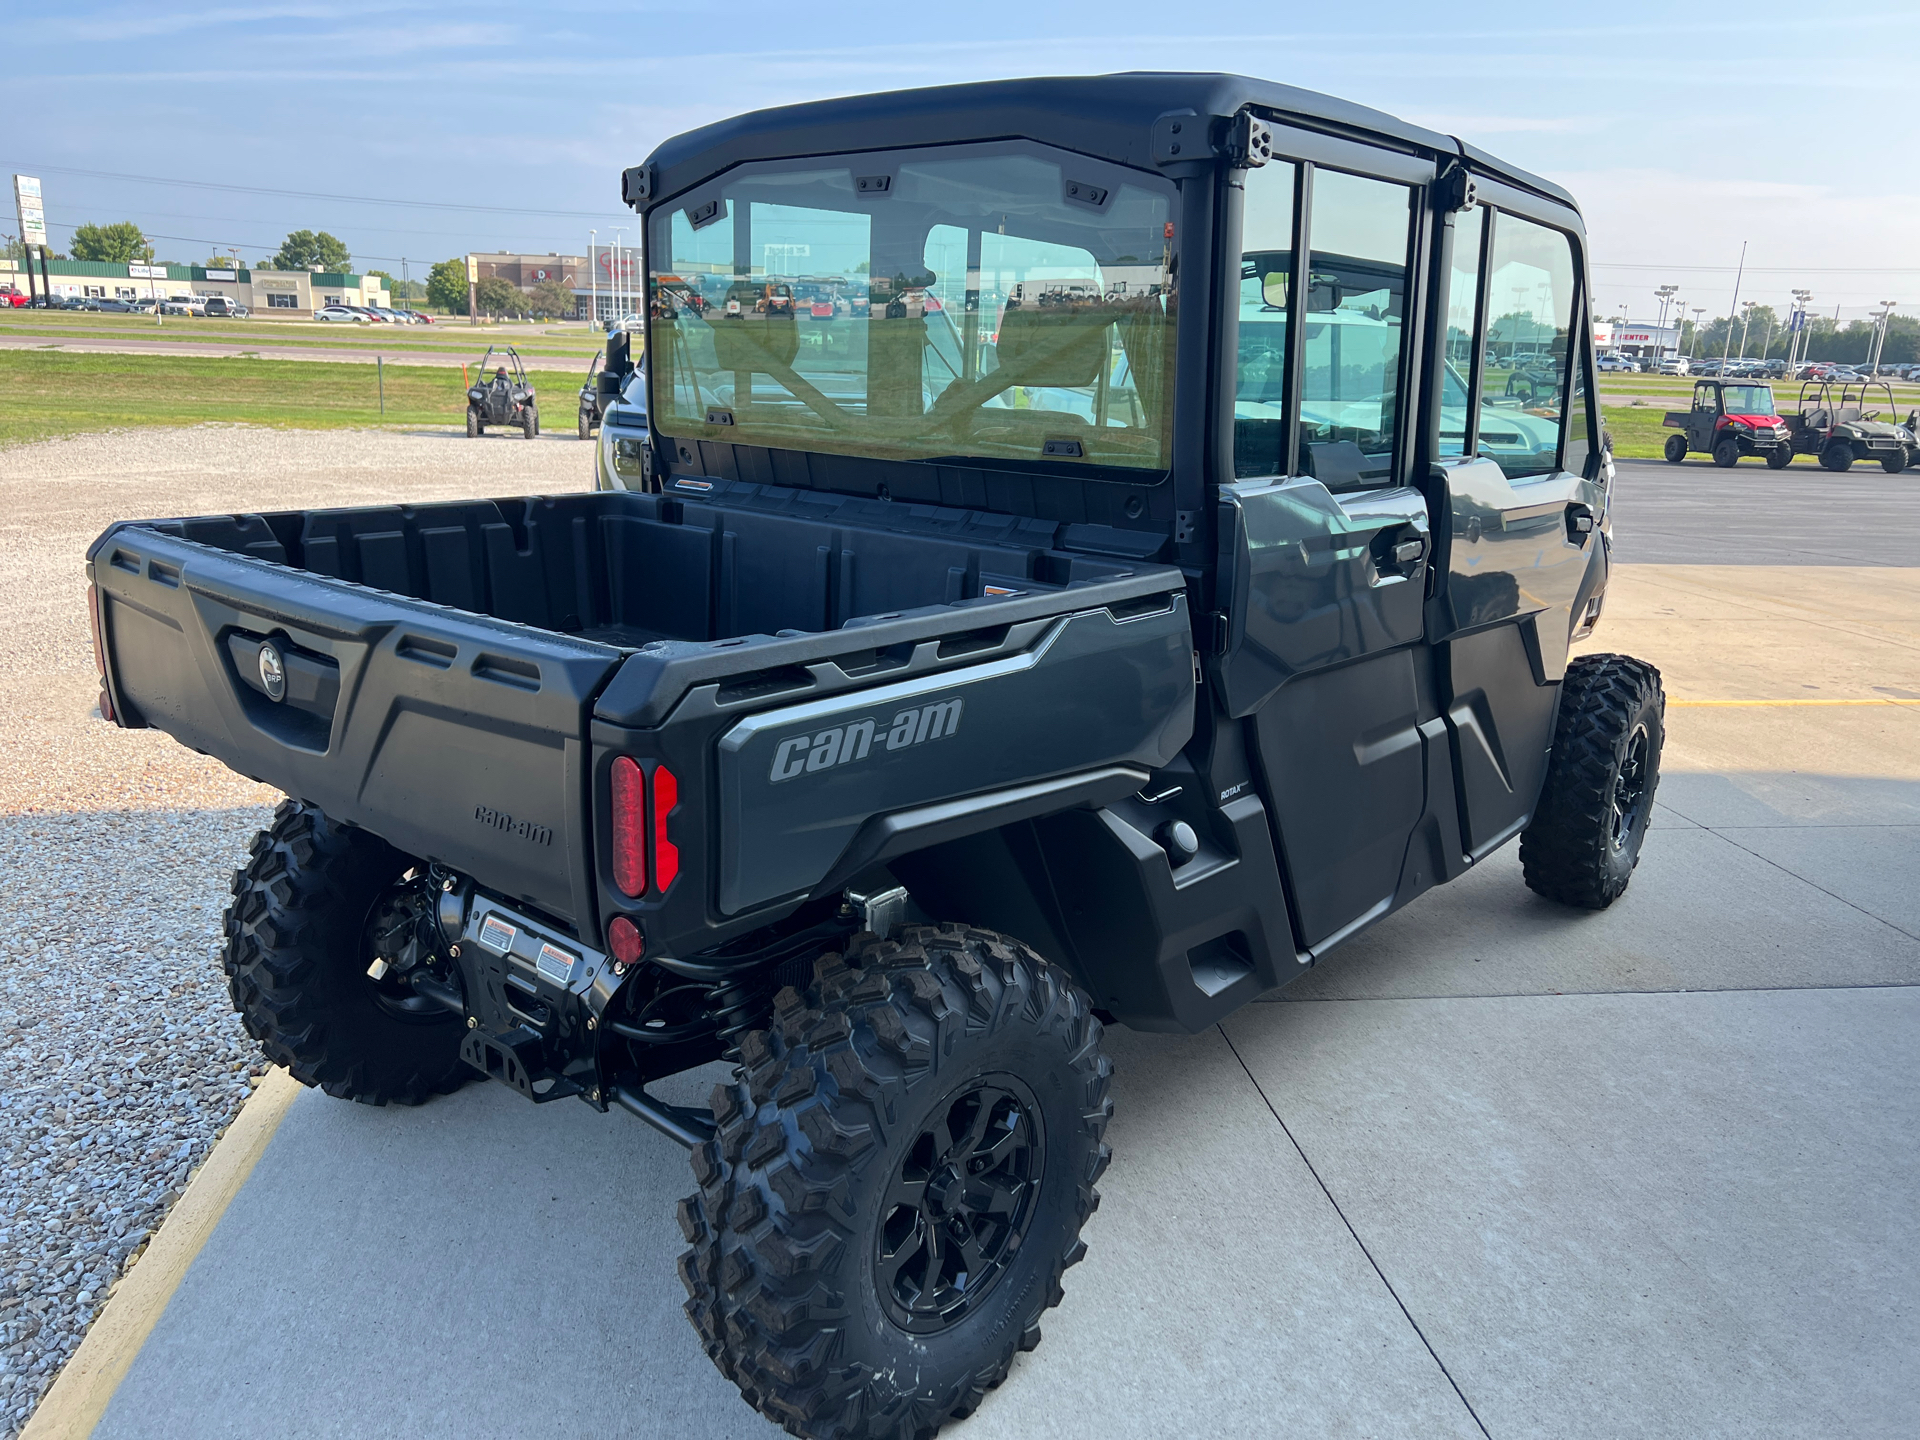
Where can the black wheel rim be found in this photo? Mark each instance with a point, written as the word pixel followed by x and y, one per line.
pixel 952 1222
pixel 1630 787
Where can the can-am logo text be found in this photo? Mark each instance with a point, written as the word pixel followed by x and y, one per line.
pixel 843 744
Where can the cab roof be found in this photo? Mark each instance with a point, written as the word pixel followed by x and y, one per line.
pixel 1109 116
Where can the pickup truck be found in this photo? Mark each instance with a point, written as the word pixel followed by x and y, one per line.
pixel 1096 628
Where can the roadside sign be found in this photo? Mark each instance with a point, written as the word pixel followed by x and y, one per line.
pixel 1797 320
pixel 28 208
pixel 473 270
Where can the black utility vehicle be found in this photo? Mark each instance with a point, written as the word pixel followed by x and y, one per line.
pixel 1842 421
pixel 604 381
pixel 951 677
pixel 1730 419
pixel 501 395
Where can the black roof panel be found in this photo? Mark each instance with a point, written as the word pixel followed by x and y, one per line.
pixel 1110 116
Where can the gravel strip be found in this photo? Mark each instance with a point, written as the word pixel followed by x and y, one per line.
pixel 123 1060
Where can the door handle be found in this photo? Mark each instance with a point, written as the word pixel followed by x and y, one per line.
pixel 1580 524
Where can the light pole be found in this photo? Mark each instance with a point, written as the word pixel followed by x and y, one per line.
pixel 593 280
pixel 1797 353
pixel 1746 319
pixel 619 281
pixel 1665 295
pixel 1880 336
pixel 1738 276
pixel 1693 345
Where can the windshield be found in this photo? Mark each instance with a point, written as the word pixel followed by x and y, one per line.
pixel 1747 399
pixel 1004 301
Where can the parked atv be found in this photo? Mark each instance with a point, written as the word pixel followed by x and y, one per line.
pixel 505 399
pixel 1846 426
pixel 1729 419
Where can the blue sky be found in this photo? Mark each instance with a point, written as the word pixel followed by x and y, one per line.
pixel 1683 130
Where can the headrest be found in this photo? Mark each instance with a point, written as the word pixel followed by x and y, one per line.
pixel 1061 344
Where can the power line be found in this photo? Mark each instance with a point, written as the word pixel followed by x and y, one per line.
pixel 313 194
pixel 1768 269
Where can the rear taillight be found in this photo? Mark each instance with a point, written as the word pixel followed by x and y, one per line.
pixel 629 828
pixel 623 938
pixel 666 854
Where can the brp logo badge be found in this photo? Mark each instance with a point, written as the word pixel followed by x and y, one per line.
pixel 273 671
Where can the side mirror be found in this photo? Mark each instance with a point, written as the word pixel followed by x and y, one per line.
pixel 608 385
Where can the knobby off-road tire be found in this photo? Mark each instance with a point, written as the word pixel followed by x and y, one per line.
pixel 296 961
pixel 530 424
pixel 1727 454
pixel 474 427
pixel 1837 457
pixel 1779 457
pixel 1586 834
pixel 1675 449
pixel 795 1276
pixel 1895 466
pixel 586 426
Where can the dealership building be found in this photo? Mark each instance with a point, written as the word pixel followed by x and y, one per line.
pixel 289 294
pixel 1641 342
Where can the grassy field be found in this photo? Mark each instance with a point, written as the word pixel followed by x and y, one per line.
pixel 556 341
pixel 50 393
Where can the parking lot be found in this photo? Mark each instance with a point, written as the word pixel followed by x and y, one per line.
pixel 1496 1168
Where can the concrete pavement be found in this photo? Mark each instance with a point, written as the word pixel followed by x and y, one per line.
pixel 1496 1169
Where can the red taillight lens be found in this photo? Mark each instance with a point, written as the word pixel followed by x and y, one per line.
pixel 629 828
pixel 666 854
pixel 623 937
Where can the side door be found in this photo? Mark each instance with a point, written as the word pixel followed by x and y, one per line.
pixel 1520 498
pixel 1324 541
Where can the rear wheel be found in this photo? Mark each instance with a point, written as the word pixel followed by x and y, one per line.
pixel 1676 450
pixel 1586 834
pixel 298 946
pixel 474 427
pixel 1726 454
pixel 1837 456
pixel 1779 457
pixel 903 1165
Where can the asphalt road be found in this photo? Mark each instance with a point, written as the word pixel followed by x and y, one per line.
pixel 1496 1169
pixel 1695 513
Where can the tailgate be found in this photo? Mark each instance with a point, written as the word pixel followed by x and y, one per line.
pixel 454 737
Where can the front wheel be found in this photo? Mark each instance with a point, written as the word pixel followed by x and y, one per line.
pixel 1726 454
pixel 299 943
pixel 1837 457
pixel 1894 465
pixel 903 1165
pixel 530 423
pixel 1676 449
pixel 1779 457
pixel 1586 834
pixel 474 427
pixel 586 426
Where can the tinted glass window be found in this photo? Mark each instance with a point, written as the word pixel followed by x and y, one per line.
pixel 1529 326
pixel 1463 296
pixel 1004 302
pixel 1355 294
pixel 1266 268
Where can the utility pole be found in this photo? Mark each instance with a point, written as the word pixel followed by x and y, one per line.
pixel 1738 276
pixel 619 280
pixel 593 282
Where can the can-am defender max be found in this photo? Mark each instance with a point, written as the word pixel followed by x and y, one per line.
pixel 1143 585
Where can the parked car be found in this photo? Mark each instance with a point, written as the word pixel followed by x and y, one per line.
pixel 116 306
pixel 79 302
pixel 223 307
pixel 419 317
pixel 890 801
pixel 1613 363
pixel 340 315
pixel 1674 366
pixel 183 305
pixel 14 298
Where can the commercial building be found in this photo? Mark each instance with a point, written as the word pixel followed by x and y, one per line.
pixel 1631 338
pixel 288 294
pixel 526 271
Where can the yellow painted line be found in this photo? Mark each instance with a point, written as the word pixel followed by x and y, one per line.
pixel 79 1397
pixel 1769 704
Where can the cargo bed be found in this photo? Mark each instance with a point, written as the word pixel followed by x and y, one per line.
pixel 440 668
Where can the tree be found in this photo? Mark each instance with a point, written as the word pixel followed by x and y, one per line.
pixel 305 250
pixel 447 286
pixel 221 262
pixel 498 297
pixel 118 244
pixel 550 297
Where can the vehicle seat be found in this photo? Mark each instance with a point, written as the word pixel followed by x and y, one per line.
pixel 1819 420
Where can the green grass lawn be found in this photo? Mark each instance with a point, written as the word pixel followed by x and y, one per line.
pixel 557 341
pixel 53 393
